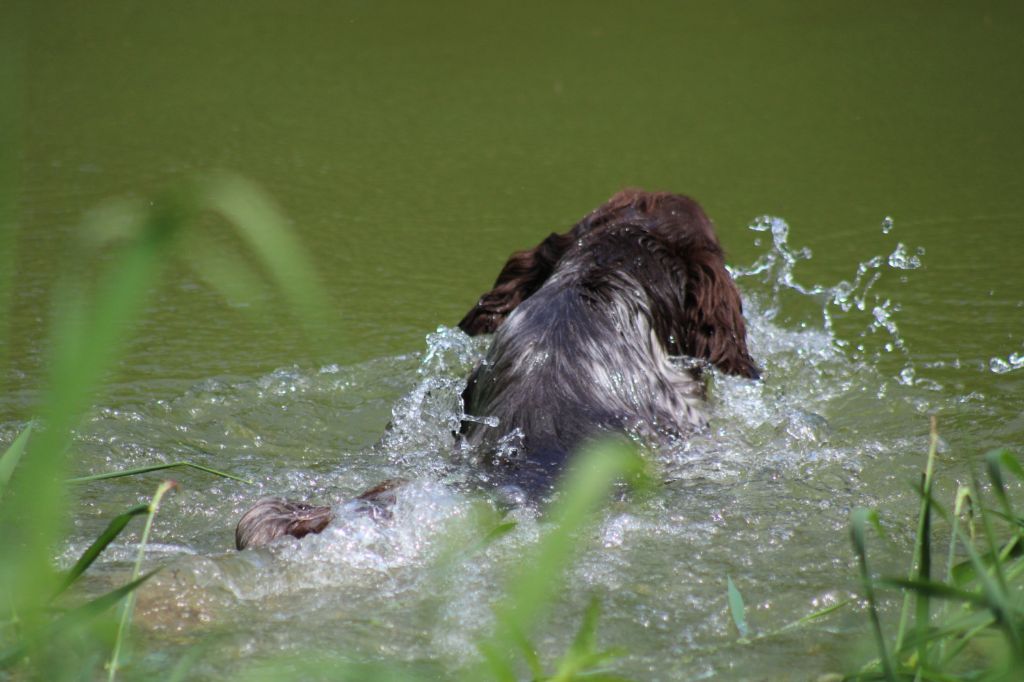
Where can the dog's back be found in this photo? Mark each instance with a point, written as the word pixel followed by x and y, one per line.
pixel 590 346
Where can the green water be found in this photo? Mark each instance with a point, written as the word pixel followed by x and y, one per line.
pixel 414 146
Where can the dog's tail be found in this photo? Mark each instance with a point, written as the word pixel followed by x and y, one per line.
pixel 274 517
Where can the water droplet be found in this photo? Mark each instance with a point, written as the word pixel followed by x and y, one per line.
pixel 780 231
pixel 1001 366
pixel 902 260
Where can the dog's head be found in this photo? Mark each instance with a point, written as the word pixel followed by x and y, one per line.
pixel 695 307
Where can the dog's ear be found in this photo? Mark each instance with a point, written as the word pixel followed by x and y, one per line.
pixel 522 275
pixel 713 325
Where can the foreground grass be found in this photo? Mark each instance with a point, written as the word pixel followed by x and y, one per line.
pixel 963 608
pixel 91 320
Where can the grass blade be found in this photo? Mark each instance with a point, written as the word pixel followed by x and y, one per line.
pixel 9 460
pixel 963 499
pixel 260 223
pixel 86 338
pixel 113 529
pixel 936 589
pixel 587 634
pixel 996 599
pixel 530 592
pixel 859 522
pixel 129 605
pixel 156 467
pixel 820 613
pixel 583 655
pixel 995 462
pixel 737 608
pixel 921 562
pixel 72 619
pixel 1002 457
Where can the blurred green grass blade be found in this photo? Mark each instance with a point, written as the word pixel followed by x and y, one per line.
pixel 960 634
pixel 129 605
pixel 529 594
pixel 923 545
pixel 262 225
pixel 995 462
pixel 530 655
pixel 961 626
pixel 185 665
pixel 226 272
pixel 996 599
pixel 496 533
pixel 72 619
pixel 587 634
pixel 89 327
pixel 921 563
pixel 1014 520
pixel 156 467
pixel 577 657
pixel 962 501
pixel 113 529
pixel 497 659
pixel 966 572
pixel 999 590
pixel 583 655
pixel 85 341
pixel 9 460
pixel 1006 459
pixel 860 520
pixel 937 589
pixel 737 609
pixel 811 617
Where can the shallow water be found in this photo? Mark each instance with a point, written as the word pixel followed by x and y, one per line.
pixel 414 148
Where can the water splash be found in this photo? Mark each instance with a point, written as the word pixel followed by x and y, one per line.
pixel 853 299
pixel 1012 363
pixel 424 419
pixel 902 260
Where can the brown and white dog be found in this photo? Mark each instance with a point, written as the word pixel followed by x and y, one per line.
pixel 589 327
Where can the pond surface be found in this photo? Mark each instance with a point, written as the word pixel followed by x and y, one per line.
pixel 414 146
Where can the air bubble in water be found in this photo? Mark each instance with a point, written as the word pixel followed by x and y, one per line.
pixel 887 225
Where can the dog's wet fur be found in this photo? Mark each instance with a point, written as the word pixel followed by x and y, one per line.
pixel 589 327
